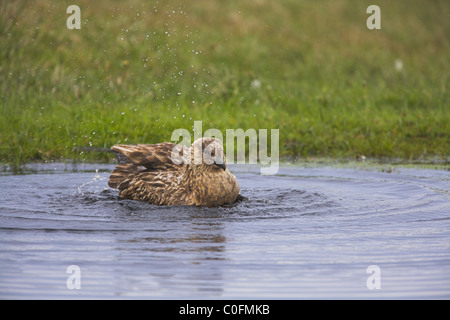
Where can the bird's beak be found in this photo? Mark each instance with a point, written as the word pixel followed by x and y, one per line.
pixel 221 165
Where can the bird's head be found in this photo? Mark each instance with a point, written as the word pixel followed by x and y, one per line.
pixel 209 152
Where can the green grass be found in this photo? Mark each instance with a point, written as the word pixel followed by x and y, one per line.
pixel 138 70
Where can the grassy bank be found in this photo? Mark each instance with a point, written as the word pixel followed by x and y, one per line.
pixel 137 70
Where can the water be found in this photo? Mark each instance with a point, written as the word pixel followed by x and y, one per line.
pixel 304 233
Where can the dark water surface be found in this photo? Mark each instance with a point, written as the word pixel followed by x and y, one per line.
pixel 304 233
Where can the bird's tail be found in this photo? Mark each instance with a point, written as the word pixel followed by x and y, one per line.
pixel 121 173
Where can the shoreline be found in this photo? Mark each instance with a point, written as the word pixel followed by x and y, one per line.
pixel 388 166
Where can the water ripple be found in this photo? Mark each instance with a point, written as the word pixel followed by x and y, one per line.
pixel 305 233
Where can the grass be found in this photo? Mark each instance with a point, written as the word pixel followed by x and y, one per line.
pixel 137 70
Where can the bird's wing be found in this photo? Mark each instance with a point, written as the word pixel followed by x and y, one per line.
pixel 160 188
pixel 161 156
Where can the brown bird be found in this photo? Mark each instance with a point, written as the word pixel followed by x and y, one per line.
pixel 168 174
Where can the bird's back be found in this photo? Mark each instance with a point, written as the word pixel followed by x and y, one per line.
pixel 148 173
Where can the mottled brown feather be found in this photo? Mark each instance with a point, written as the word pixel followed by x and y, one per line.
pixel 120 172
pixel 152 176
pixel 150 156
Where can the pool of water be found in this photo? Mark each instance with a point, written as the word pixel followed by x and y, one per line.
pixel 307 232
